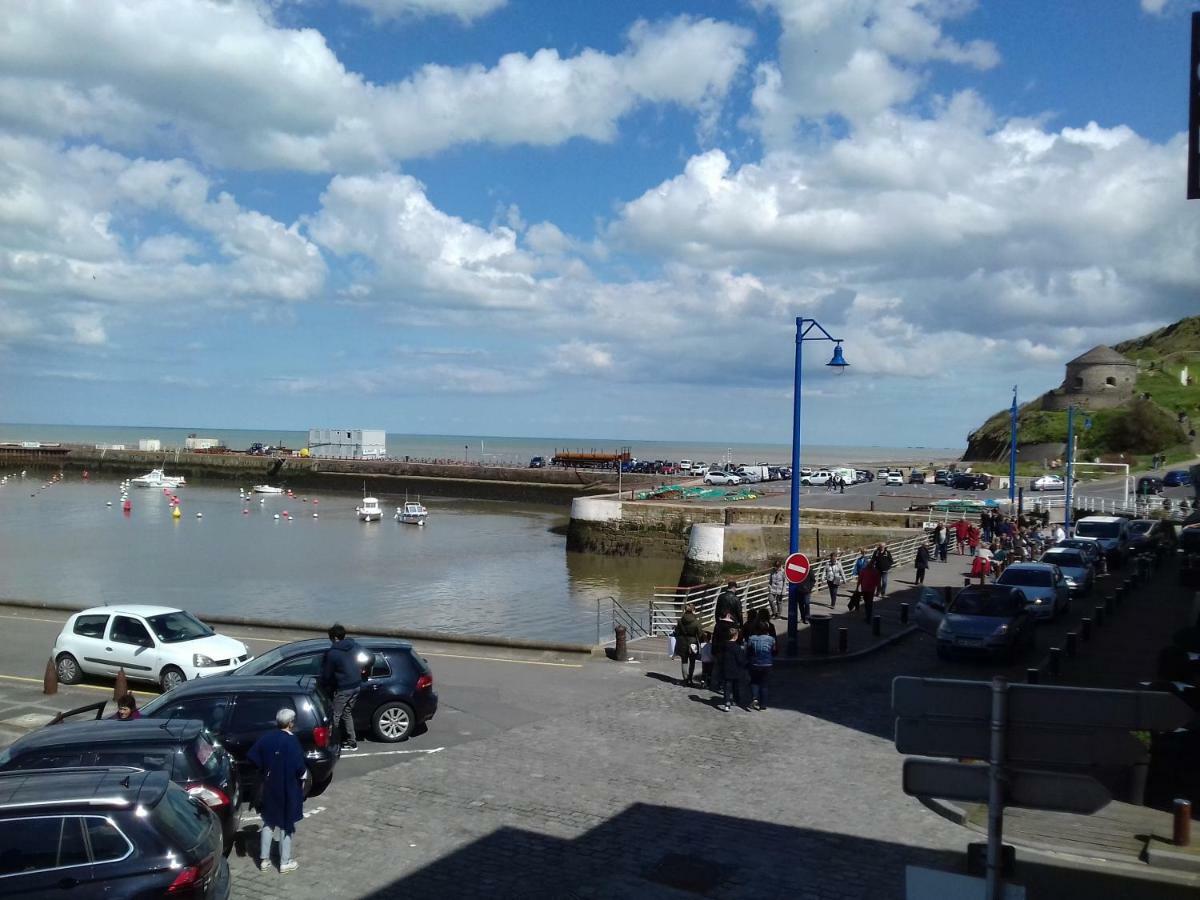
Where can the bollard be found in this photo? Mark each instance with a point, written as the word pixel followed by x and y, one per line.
pixel 50 679
pixel 120 685
pixel 947 595
pixel 1055 660
pixel 1119 595
pixel 903 613
pixel 1085 629
pixel 1032 676
pixel 876 624
pixel 619 652
pixel 843 639
pixel 1072 643
pixel 1098 616
pixel 1183 823
pixel 1110 603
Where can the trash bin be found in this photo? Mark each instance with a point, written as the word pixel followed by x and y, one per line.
pixel 818 628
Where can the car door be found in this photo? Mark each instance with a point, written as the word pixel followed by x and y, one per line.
pixel 211 709
pixel 43 856
pixel 131 647
pixel 304 664
pixel 931 607
pixel 251 717
pixel 384 683
pixel 86 641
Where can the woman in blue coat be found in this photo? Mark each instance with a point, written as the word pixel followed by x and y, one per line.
pixel 281 766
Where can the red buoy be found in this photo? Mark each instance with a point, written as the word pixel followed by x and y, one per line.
pixel 127 506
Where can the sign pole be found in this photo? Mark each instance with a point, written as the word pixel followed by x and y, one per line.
pixel 1193 170
pixel 995 883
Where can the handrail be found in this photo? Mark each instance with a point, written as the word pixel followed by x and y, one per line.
pixel 619 615
pixel 1140 506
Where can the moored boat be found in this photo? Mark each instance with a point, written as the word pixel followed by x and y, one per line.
pixel 267 489
pixel 412 513
pixel 369 511
pixel 155 478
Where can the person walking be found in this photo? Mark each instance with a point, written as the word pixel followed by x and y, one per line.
pixel 720 640
pixel 882 560
pixel 761 649
pixel 868 583
pixel 922 562
pixel 280 762
pixel 687 643
pixel 841 484
pixel 727 602
pixel 804 597
pixel 734 671
pixel 775 588
pixel 835 576
pixel 342 675
pixel 961 529
pixel 860 563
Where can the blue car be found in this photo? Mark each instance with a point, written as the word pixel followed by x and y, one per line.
pixel 1177 478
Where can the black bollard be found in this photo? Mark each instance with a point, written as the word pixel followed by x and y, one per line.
pixel 843 639
pixel 1110 603
pixel 876 624
pixel 1119 595
pixel 903 613
pixel 1072 643
pixel 1085 629
pixel 1032 676
pixel 1055 660
pixel 1098 616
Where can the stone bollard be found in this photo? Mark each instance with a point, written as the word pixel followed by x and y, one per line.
pixel 1055 660
pixel 843 639
pixel 1098 616
pixel 1032 675
pixel 1110 603
pixel 903 613
pixel 620 653
pixel 876 624
pixel 50 678
pixel 120 685
pixel 1072 647
pixel 1085 629
pixel 1183 823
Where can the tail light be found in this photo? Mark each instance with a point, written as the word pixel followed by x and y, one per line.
pixel 425 682
pixel 190 877
pixel 321 736
pixel 211 797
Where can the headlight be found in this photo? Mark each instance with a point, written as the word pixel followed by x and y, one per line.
pixel 1000 630
pixel 1068 579
pixel 1037 601
pixel 200 661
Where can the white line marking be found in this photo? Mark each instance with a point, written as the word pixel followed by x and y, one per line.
pixel 255 817
pixel 357 755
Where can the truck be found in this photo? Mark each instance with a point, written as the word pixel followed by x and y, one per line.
pixel 846 473
pixel 759 471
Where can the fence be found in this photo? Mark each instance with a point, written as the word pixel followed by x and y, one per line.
pixel 1138 507
pixel 610 613
pixel 667 604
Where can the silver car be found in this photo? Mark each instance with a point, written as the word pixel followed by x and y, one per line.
pixel 1075 566
pixel 1044 586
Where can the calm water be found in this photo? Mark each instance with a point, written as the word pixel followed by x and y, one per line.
pixel 477 566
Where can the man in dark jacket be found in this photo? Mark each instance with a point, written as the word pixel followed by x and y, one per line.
pixel 341 673
pixel 280 762
pixel 882 558
pixel 727 602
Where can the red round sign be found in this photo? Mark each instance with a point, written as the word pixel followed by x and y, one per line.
pixel 795 568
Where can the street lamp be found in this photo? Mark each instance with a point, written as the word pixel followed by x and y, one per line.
pixel 804 329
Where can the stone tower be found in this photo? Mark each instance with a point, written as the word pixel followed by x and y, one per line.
pixel 1099 379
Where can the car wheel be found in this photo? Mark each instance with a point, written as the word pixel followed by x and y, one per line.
pixel 68 669
pixel 393 722
pixel 171 677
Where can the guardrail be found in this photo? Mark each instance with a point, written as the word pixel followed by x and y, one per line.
pixel 1139 507
pixel 666 606
pixel 635 626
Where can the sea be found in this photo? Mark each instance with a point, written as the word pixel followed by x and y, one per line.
pixel 477 567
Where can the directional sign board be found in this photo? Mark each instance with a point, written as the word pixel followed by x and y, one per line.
pixel 1024 745
pixel 796 567
pixel 1022 787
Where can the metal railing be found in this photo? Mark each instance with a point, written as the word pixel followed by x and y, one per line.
pixel 666 606
pixel 1139 507
pixel 617 614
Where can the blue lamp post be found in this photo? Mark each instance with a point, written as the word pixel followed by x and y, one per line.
pixel 804 329
pixel 1012 456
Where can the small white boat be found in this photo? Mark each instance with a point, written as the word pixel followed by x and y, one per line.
pixel 156 479
pixel 370 511
pixel 267 489
pixel 412 513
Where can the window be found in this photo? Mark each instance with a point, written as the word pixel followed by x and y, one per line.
pixel 1110 381
pixel 33 844
pixel 152 759
pixel 1079 382
pixel 172 628
pixel 130 631
pixel 209 710
pixel 380 667
pixel 309 664
pixel 108 843
pixel 72 850
pixel 50 758
pixel 183 820
pixel 91 626
pixel 258 713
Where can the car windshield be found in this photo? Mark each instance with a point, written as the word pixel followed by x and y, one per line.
pixel 1070 560
pixel 1026 577
pixel 185 821
pixel 1098 529
pixel 174 627
pixel 1141 527
pixel 971 603
pixel 206 753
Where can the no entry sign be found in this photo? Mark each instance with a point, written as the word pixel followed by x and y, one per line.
pixel 795 568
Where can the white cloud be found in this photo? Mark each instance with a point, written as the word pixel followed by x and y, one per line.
pixel 1154 7
pixel 224 81
pixel 465 11
pixel 581 357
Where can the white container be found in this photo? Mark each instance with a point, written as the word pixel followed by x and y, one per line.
pixel 199 443
pixel 349 443
pixel 151 444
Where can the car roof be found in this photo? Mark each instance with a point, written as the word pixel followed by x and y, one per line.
pixel 137 609
pixel 1034 566
pixel 1057 549
pixel 94 787
pixel 988 589
pixel 1101 519
pixel 110 731
pixel 370 643
pixel 248 684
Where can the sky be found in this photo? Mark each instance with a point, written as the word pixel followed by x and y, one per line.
pixel 558 217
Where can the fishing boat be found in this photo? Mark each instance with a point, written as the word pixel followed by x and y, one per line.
pixel 267 489
pixel 370 511
pixel 412 513
pixel 156 479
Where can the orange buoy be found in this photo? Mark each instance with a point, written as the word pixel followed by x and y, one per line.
pixel 127 506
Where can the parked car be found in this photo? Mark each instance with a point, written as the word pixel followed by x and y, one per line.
pixel 1077 567
pixel 971 481
pixel 990 619
pixel 112 833
pixel 749 476
pixel 895 478
pixel 916 477
pixel 819 477
pixel 1091 550
pixel 1048 483
pixel 718 477
pixel 1177 478
pixel 1044 586
pixel 185 750
pixel 241 709
pixel 397 693
pixel 538 462
pixel 941 476
pixel 1111 532
pixel 1149 485
pixel 159 644
pixel 862 476
pixel 1151 536
pixel 882 474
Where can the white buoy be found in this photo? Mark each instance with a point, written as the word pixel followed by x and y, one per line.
pixel 264 500
pixel 315 515
pixel 199 515
pixel 277 515
pixel 108 503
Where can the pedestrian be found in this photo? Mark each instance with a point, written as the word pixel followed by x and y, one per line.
pixel 860 563
pixel 841 484
pixel 734 671
pixel 922 562
pixel 1060 534
pixel 883 561
pixel 973 538
pixel 835 576
pixel 775 586
pixel 280 762
pixel 720 639
pixel 961 529
pixel 868 583
pixel 706 659
pixel 687 643
pixel 762 648
pixel 727 601
pixel 341 673
pixel 804 597
pixel 127 708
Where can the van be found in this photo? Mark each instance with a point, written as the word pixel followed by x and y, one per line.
pixel 848 474
pixel 1110 532
pixel 685 466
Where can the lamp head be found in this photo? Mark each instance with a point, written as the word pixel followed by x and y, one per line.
pixel 838 362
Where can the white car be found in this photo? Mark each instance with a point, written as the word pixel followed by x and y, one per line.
pixel 1048 483
pixel 819 477
pixel 895 478
pixel 151 643
pixel 716 477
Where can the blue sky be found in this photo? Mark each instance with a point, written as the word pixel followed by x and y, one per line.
pixel 595 219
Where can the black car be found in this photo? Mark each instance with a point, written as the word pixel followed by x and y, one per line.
pixel 915 477
pixel 941 476
pixel 1151 536
pixel 397 693
pixel 183 748
pixel 537 462
pixel 971 481
pixel 113 833
pixel 1149 484
pixel 239 710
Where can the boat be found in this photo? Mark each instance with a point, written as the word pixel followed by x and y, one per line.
pixel 370 510
pixel 156 479
pixel 267 489
pixel 412 513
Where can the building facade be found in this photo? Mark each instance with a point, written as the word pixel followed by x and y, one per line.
pixel 348 443
pixel 1099 379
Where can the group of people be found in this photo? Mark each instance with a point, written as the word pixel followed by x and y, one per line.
pixel 995 542
pixel 735 657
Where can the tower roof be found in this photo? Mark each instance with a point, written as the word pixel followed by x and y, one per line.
pixel 1101 355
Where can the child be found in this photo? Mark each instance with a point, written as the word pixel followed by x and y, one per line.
pixel 762 649
pixel 706 659
pixel 734 670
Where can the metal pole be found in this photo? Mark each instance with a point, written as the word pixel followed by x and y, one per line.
pixel 995 882
pixel 793 641
pixel 1012 454
pixel 1070 468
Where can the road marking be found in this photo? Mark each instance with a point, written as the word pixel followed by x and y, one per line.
pixel 245 817
pixel 358 755
pixel 88 687
pixel 32 619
